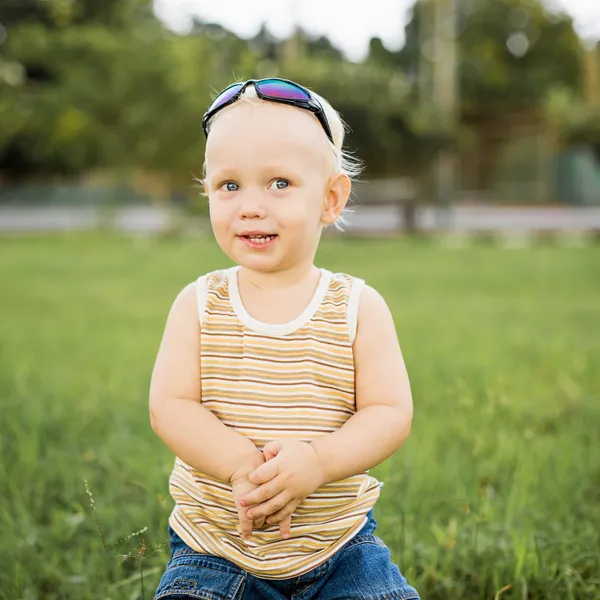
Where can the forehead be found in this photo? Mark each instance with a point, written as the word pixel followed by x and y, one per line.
pixel 250 133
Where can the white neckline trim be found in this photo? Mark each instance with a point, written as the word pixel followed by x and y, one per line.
pixel 275 328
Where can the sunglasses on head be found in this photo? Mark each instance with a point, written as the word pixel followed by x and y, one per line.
pixel 273 90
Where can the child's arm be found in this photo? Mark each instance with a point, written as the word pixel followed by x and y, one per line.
pixel 189 429
pixel 383 397
pixel 378 428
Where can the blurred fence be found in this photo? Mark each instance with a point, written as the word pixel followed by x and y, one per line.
pixel 516 158
pixel 379 207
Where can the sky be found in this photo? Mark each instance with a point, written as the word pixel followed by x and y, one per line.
pixel 349 30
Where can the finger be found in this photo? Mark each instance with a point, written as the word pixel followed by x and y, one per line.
pixel 267 471
pixel 245 527
pixel 271 450
pixel 271 506
pixel 269 455
pixel 259 523
pixel 285 528
pixel 263 493
pixel 280 515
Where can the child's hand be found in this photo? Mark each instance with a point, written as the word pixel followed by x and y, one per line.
pixel 291 472
pixel 241 485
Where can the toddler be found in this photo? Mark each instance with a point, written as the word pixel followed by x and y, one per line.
pixel 278 384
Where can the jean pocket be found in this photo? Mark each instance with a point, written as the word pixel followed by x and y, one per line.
pixel 200 577
pixel 367 538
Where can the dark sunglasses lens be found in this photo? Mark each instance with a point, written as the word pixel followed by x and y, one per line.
pixel 282 89
pixel 226 95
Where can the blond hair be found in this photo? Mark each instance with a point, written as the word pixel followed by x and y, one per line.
pixel 343 161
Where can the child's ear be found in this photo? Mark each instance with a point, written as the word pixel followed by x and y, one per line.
pixel 336 197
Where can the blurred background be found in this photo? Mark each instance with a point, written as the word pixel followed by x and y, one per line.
pixel 457 107
pixel 476 218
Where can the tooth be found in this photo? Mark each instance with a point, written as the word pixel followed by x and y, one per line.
pixel 263 239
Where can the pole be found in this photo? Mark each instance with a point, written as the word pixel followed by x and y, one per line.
pixel 445 97
pixel 292 50
pixel 591 66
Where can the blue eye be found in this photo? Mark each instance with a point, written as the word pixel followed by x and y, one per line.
pixel 231 186
pixel 281 184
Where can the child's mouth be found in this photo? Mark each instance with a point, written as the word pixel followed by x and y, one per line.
pixel 259 240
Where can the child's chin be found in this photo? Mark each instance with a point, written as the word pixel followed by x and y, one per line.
pixel 258 263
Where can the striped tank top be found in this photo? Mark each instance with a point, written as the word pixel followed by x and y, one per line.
pixel 274 381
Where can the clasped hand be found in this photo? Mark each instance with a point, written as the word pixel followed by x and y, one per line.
pixel 291 471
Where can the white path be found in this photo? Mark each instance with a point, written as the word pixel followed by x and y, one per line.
pixel 364 219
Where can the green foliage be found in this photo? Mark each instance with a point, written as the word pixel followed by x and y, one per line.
pixel 511 52
pixel 65 13
pixel 496 486
pixel 82 112
pixel 575 121
pixel 374 102
pixel 88 85
pixel 92 98
pixel 515 52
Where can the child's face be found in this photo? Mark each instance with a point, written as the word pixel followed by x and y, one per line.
pixel 269 172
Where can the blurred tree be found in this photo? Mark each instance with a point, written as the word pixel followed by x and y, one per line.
pixel 374 103
pixel 321 47
pixel 265 44
pixel 93 108
pixel 63 13
pixel 92 96
pixel 87 85
pixel 515 52
pixel 13 12
pixel 512 52
pixel 380 56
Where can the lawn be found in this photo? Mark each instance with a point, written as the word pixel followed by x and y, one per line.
pixel 496 494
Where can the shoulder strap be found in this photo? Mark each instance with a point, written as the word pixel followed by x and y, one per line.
pixel 201 296
pixel 358 285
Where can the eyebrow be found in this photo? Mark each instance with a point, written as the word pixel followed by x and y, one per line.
pixel 221 175
pixel 271 169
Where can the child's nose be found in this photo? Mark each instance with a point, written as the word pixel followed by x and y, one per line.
pixel 252 206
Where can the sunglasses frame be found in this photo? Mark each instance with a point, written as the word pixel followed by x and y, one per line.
pixel 311 104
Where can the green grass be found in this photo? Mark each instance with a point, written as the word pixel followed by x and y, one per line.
pixel 498 484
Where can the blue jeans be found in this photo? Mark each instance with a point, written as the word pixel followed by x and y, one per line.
pixel 362 569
